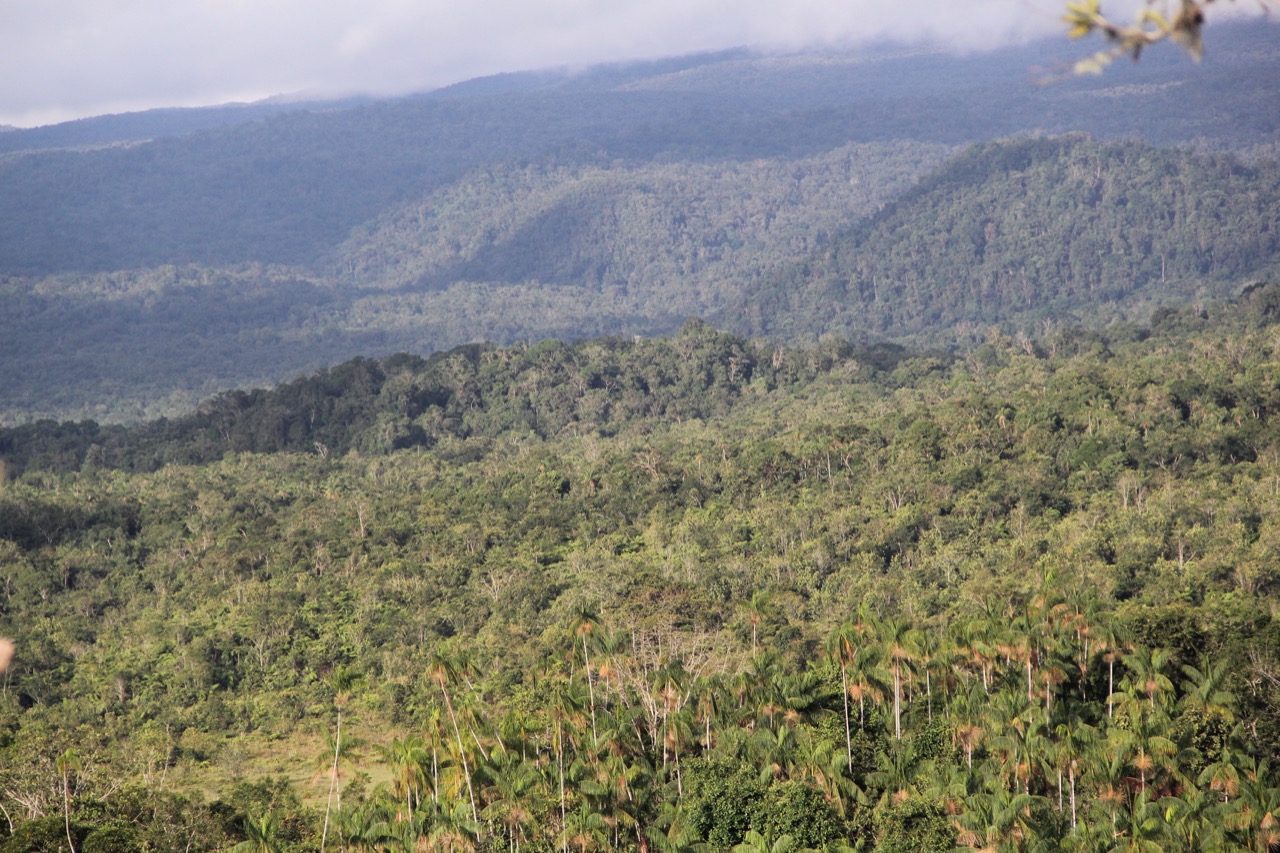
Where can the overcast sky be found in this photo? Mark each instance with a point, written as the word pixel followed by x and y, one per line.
pixel 63 59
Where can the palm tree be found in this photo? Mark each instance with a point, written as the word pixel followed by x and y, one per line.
pixel 1114 645
pixel 365 829
pixel 928 650
pixel 66 764
pixel 341 680
pixel 435 737
pixel 585 830
pixel 513 782
pixel 1146 740
pixel 893 771
pixel 1205 688
pixel 842 647
pixel 998 819
pixel 565 710
pixel 1189 824
pixel 453 831
pixel 975 650
pixel 1147 673
pixel 759 610
pixel 772 750
pixel 1142 827
pixel 337 746
pixel 710 705
pixel 1106 771
pixel 1021 750
pixel 949 786
pixel 894 636
pixel 1256 812
pixel 261 836
pixel 817 761
pixel 585 623
pixel 754 842
pixel 408 760
pixel 677 720
pixel 967 712
pixel 1075 740
pixel 782 697
pixel 443 671
pixel 1222 776
pixel 624 793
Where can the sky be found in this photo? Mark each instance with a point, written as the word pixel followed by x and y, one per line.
pixel 65 59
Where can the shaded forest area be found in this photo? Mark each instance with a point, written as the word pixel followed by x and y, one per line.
pixel 1015 234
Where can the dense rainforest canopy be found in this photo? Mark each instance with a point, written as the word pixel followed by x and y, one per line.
pixel 661 594
pixel 954 524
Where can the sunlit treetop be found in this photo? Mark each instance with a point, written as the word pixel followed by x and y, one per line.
pixel 1153 24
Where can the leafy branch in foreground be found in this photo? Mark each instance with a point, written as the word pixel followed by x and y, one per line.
pixel 1149 27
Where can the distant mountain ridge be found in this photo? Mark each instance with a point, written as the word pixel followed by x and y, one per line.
pixel 285 182
pixel 619 200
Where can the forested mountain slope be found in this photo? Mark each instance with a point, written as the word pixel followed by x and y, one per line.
pixel 667 237
pixel 645 595
pixel 1015 233
pixel 1042 229
pixel 143 267
pixel 505 253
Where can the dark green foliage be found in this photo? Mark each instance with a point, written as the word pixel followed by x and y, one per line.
pixel 725 802
pixel 792 808
pixel 275 798
pixel 112 839
pixel 912 826
pixel 1057 550
pixel 404 401
pixel 44 835
pixel 935 741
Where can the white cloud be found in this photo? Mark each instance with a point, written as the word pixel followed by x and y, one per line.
pixel 66 58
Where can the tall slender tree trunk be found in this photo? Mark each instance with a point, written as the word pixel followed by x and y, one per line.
pixel 65 764
pixel 897 701
pixel 591 692
pixel 66 807
pixel 560 767
pixel 848 733
pixel 462 754
pixel 1111 686
pixel 333 779
pixel 1071 776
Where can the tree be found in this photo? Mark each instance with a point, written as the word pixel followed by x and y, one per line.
pixel 1149 27
pixel 67 764
pixel 843 648
pixel 442 671
pixel 585 623
pixel 342 680
pixel 895 636
pixel 407 759
pixel 1071 751
pixel 261 835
